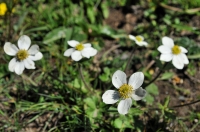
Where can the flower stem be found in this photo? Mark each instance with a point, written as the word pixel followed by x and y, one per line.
pixel 129 61
pixel 161 70
pixel 81 74
pixel 186 104
pixel 176 106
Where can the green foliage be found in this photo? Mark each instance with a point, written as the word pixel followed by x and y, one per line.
pixel 106 75
pixel 191 68
pixel 186 4
pixel 93 110
pixel 123 122
pixel 68 94
pixel 165 111
pixel 167 75
pixel 56 34
pixel 152 90
pixel 193 53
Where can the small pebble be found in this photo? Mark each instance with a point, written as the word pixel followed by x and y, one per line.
pixel 182 98
pixel 196 120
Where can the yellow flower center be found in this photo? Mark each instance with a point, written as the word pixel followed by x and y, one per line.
pixel 3 9
pixel 139 38
pixel 176 50
pixel 79 47
pixel 125 91
pixel 22 54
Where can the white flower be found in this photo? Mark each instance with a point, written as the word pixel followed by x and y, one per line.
pixel 23 56
pixel 176 53
pixel 139 40
pixel 126 92
pixel 79 50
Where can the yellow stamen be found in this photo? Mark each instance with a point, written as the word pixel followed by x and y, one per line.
pixel 139 38
pixel 125 91
pixel 3 9
pixel 79 47
pixel 176 50
pixel 22 54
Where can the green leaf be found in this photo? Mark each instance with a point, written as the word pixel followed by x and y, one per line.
pixel 104 7
pixel 107 31
pixel 90 102
pixel 166 76
pixel 36 29
pixel 106 70
pixel 128 124
pixel 93 113
pixel 91 14
pixel 135 111
pixel 117 123
pixel 104 78
pixel 106 75
pixel 112 109
pixel 76 83
pixel 152 89
pixel 166 103
pixel 196 56
pixel 182 26
pixel 149 99
pixel 56 34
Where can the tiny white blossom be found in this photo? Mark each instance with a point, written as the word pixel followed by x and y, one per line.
pixel 24 56
pixel 126 92
pixel 176 53
pixel 139 40
pixel 79 50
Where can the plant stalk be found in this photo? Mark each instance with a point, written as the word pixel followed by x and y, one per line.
pixel 161 70
pixel 129 61
pixel 82 78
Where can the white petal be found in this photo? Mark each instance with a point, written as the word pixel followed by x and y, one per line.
pixel 24 42
pixel 69 51
pixel 33 49
pixel 29 64
pixel 136 80
pixel 10 49
pixel 183 50
pixel 185 59
pixel 72 43
pixel 166 57
pixel 118 78
pixel 138 43
pixel 139 94
pixel 93 52
pixel 76 55
pixel 11 65
pixel 124 106
pixel 143 43
pixel 87 45
pixel 86 52
pixel 164 49
pixel 177 61
pixel 168 42
pixel 110 97
pixel 19 67
pixel 131 37
pixel 36 57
